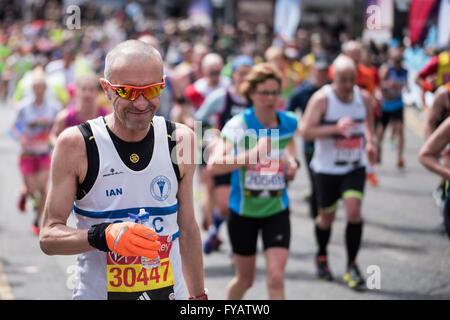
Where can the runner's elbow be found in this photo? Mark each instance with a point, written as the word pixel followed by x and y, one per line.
pixel 45 242
pixel 424 158
pixel 211 167
pixel 304 133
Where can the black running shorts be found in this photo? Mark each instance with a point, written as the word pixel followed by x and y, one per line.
pixel 243 232
pixel 392 116
pixel 222 179
pixel 330 187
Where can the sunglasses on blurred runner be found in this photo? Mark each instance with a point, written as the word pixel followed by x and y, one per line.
pixel 214 73
pixel 132 92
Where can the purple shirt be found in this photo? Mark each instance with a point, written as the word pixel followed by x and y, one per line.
pixel 72 119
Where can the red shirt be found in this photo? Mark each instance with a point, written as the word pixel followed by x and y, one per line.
pixel 430 69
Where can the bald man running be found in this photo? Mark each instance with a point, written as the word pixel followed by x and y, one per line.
pixel 339 120
pixel 113 166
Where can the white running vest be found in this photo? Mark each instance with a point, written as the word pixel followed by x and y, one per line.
pixel 337 154
pixel 117 191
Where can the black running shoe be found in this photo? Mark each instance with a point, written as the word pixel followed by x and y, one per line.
pixel 323 272
pixel 353 277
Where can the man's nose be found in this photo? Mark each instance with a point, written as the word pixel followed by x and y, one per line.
pixel 349 84
pixel 140 102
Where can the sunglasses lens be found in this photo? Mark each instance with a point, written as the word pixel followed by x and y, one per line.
pixel 132 94
pixel 124 92
pixel 152 92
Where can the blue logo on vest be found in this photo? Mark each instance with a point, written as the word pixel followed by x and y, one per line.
pixel 160 188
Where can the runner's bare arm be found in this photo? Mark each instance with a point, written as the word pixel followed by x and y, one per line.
pixel 224 160
pixel 190 240
pixel 310 127
pixel 369 123
pixel 440 99
pixel 431 151
pixel 292 164
pixel 384 73
pixel 14 126
pixel 369 128
pixel 67 169
pixel 58 126
pixel 217 160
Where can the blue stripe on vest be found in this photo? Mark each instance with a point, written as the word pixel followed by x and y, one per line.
pixel 123 213
pixel 176 235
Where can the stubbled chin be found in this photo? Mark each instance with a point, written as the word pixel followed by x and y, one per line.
pixel 139 123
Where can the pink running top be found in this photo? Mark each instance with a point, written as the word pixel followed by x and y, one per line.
pixel 72 119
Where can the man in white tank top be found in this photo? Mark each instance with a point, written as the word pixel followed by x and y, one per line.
pixel 339 120
pixel 111 246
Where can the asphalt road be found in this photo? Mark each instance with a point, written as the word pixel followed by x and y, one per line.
pixel 403 252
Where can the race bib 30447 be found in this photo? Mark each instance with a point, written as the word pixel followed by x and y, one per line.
pixel 128 280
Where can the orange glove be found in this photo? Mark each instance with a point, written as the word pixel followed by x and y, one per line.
pixel 132 239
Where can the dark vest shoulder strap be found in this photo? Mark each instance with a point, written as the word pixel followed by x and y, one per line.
pixel 172 144
pixel 92 159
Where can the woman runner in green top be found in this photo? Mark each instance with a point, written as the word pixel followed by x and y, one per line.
pixel 258 147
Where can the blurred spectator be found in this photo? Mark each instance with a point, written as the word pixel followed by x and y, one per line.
pixel 212 65
pixel 436 72
pixel 86 106
pixel 17 64
pixel 365 77
pixel 276 57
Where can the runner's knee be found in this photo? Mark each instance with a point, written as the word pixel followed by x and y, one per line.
pixel 245 282
pixel 325 219
pixel 354 214
pixel 222 206
pixel 275 278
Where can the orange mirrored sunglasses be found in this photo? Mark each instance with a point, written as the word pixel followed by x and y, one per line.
pixel 132 92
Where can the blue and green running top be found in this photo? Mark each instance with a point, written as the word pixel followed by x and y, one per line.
pixel 259 190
